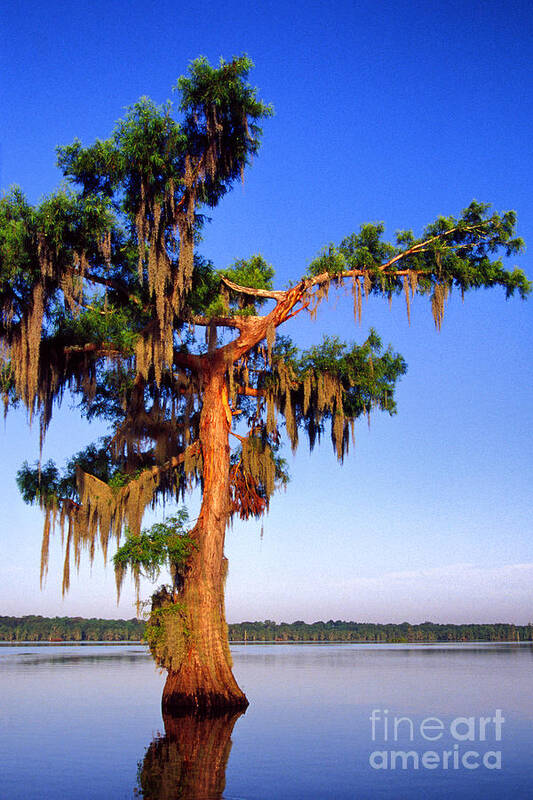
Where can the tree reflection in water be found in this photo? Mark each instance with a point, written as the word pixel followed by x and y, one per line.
pixel 189 761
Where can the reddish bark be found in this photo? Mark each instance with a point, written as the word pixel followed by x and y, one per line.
pixel 204 681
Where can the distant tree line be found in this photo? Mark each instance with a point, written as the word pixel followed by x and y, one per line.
pixel 339 631
pixel 78 629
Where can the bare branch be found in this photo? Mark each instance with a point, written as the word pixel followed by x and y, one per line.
pixel 249 391
pixel 271 294
pixel 421 247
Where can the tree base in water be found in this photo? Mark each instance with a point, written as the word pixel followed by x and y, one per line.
pixel 183 694
pixel 202 702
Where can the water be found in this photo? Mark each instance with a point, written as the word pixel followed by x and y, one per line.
pixel 84 722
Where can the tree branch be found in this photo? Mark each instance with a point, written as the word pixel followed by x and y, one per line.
pixel 188 360
pixel 249 391
pixel 105 349
pixel 416 249
pixel 225 322
pixel 271 294
pixel 175 461
pixel 108 282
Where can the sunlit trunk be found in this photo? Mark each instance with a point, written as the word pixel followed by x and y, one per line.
pixel 204 680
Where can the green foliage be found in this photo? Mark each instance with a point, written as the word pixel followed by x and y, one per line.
pixel 358 251
pixel 226 94
pixel 99 323
pixel 210 298
pixel 205 291
pixel 164 544
pixel 367 373
pixel 38 629
pixel 149 146
pixel 463 257
pixel 216 308
pixel 120 479
pixel 335 382
pixel 39 484
pixel 147 143
pixel 253 272
pixel 72 223
pixel 66 224
pixel 111 394
pixel 7 387
pixel 45 485
pixel 18 262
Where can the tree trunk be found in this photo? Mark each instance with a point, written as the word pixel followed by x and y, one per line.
pixel 204 681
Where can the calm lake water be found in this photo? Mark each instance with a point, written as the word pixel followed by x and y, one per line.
pixel 84 721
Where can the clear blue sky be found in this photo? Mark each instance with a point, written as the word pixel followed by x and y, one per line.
pixel 384 111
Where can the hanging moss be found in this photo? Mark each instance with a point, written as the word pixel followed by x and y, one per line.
pixel 270 338
pixel 407 298
pixel 25 348
pixel 357 299
pixel 438 300
pixel 413 281
pixel 45 546
pixel 103 512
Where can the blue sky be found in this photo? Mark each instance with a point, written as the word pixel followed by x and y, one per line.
pixel 386 111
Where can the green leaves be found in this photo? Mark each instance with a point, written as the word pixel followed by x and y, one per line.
pixel 367 374
pixel 39 485
pixel 18 257
pixel 253 272
pixel 164 544
pixel 148 149
pixel 146 145
pixel 38 244
pixel 98 169
pixel 333 382
pixel 359 251
pixel 228 90
pixel 72 223
pixel 462 252
pixel 99 323
pixel 47 486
